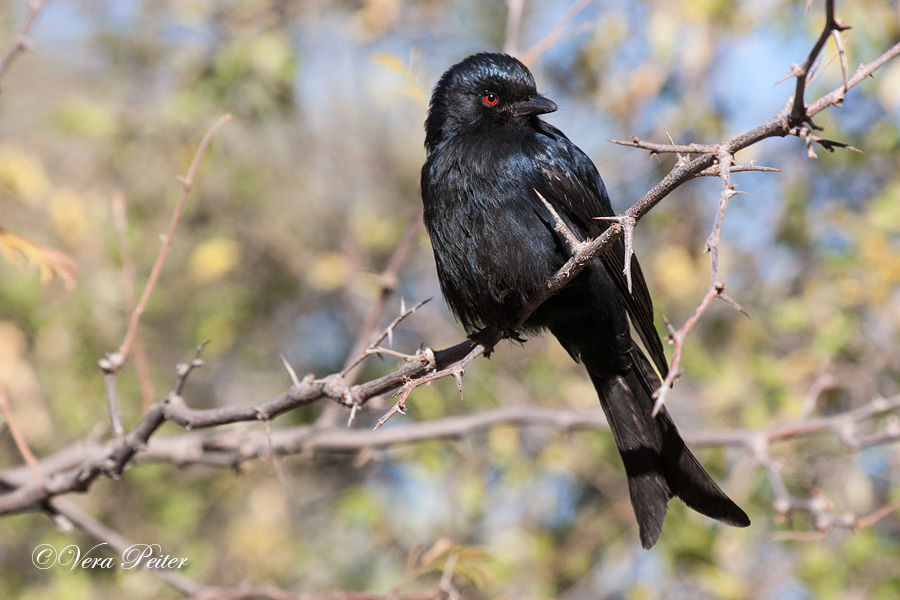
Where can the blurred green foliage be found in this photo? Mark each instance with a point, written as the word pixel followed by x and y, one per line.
pixel 295 211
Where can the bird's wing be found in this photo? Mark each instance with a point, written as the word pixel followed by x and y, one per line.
pixel 571 184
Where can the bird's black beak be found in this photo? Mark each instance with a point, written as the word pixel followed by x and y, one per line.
pixel 534 106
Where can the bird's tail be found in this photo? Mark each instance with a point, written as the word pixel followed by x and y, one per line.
pixel 657 462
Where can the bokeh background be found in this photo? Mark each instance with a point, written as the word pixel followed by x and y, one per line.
pixel 298 206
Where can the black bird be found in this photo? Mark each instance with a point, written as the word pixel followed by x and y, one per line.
pixel 495 245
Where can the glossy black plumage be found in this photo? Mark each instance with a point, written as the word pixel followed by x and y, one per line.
pixel 495 246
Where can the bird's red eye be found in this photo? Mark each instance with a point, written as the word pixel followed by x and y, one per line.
pixel 490 99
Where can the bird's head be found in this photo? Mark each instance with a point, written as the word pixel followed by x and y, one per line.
pixel 482 92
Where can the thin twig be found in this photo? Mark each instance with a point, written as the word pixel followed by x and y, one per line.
pixel 19 437
pixel 822 383
pixel 877 515
pixel 655 148
pixel 182 370
pixel 187 182
pixel 388 334
pixel 862 73
pixel 446 583
pixel 291 372
pixel 112 401
pixel 713 171
pixel 22 42
pixel 779 125
pixel 120 546
pixel 390 280
pixel 129 279
pixel 513 26
pixel 420 355
pixel 839 44
pixel 799 113
pixel 559 32
pixel 724 161
pixel 816 70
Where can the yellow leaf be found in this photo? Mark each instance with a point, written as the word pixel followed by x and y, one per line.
pixel 67 215
pixel 25 254
pixel 679 275
pixel 85 117
pixel 467 562
pixel 218 327
pixel 270 55
pixel 504 440
pixel 23 175
pixel 413 86
pixel 664 30
pixel 328 272
pixel 375 231
pixel 214 258
pixel 390 61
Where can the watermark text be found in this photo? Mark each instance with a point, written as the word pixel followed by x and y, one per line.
pixel 46 556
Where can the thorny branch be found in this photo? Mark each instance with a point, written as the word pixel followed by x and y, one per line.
pixel 76 468
pixel 231 448
pixel 785 122
pixel 716 288
pixel 456 371
pixel 413 373
pixel 362 346
pixel 795 118
pixel 174 409
pixel 387 334
pixel 799 111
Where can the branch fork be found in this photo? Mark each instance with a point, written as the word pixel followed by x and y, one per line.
pixel 627 223
pixel 456 371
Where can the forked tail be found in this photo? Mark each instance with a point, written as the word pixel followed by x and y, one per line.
pixel 657 461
